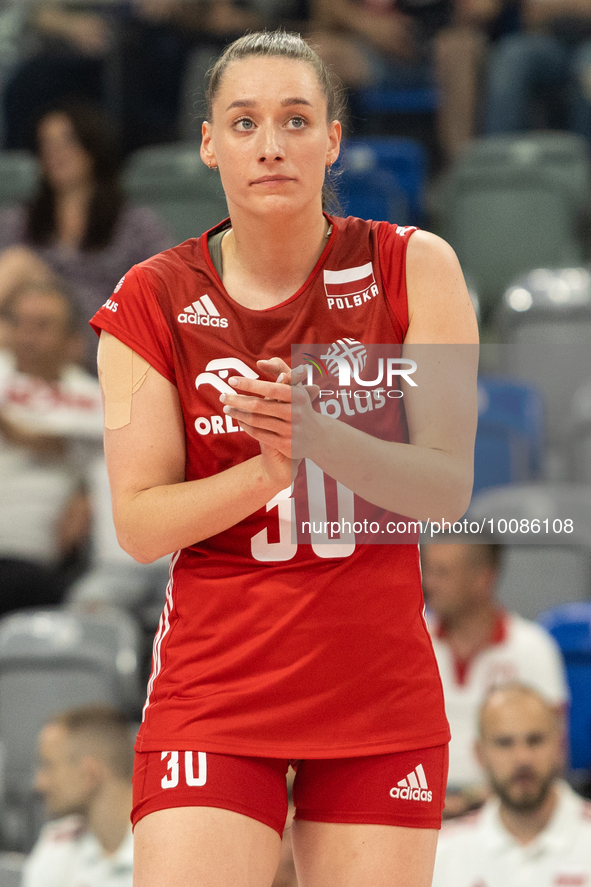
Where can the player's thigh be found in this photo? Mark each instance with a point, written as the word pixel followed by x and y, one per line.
pixel 207 820
pixel 329 854
pixel 204 847
pixel 369 820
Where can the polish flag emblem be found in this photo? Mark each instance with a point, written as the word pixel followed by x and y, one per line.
pixel 349 282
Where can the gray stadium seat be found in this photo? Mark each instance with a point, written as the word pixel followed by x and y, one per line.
pixel 545 319
pixel 174 181
pixel 51 660
pixel 11 869
pixel 512 203
pixel 19 172
pixel 580 435
pixel 546 568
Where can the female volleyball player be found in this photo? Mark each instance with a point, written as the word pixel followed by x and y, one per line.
pixel 269 651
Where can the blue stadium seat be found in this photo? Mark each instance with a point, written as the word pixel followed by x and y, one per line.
pixel 509 439
pixel 405 159
pixel 373 194
pixel 395 101
pixel 570 625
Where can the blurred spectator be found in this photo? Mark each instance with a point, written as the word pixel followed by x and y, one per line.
pixel 48 408
pixel 461 54
pixel 410 44
pixel 478 645
pixel 159 45
pixel 535 831
pixel 84 775
pixel 64 57
pixel 12 21
pixel 542 77
pixel 78 225
pixel 130 57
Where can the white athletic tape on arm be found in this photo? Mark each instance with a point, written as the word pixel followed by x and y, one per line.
pixel 121 372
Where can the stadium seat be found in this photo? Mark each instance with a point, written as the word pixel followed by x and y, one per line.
pixel 19 173
pixel 373 194
pixel 513 203
pixel 580 435
pixel 405 159
pixel 11 869
pixel 545 319
pixel 174 181
pixel 570 625
pixel 545 563
pixel 376 100
pixel 509 438
pixel 51 660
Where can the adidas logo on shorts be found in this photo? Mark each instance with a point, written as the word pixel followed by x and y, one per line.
pixel 202 313
pixel 414 787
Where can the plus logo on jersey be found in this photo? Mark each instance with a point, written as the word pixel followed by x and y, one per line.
pixel 216 372
pixel 202 312
pixel 350 287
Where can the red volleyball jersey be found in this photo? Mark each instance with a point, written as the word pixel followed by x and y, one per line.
pixel 266 646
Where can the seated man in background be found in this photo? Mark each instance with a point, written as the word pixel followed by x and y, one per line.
pixel 479 645
pixel 50 418
pixel 84 775
pixel 540 76
pixel 535 831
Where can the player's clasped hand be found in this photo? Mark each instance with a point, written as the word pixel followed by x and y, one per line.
pixel 277 413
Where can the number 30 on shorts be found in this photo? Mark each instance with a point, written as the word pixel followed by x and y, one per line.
pixel 192 780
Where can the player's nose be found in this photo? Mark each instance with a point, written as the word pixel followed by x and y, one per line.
pixel 271 143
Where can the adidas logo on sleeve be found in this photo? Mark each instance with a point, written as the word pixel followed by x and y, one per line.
pixel 414 787
pixel 202 313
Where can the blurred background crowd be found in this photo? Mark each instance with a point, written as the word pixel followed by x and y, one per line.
pixel 471 118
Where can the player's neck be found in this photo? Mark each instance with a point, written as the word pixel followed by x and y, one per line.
pixel 267 260
pixel 526 826
pixel 108 816
pixel 470 630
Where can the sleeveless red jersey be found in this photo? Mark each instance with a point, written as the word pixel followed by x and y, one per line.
pixel 266 646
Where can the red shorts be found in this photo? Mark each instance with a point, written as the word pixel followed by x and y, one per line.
pixel 405 788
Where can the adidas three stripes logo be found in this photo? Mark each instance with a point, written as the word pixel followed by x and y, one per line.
pixel 414 787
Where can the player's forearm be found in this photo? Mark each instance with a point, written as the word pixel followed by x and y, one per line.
pixel 155 522
pixel 417 481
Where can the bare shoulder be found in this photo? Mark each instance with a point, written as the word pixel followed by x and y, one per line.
pixel 439 304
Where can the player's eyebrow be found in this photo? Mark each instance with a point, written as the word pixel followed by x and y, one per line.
pixel 252 103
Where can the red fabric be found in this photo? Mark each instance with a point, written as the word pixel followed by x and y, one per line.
pixel 354 790
pixel 265 648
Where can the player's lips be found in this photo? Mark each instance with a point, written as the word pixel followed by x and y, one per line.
pixel 269 180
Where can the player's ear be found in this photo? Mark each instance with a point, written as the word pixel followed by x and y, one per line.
pixel 334 142
pixel 206 150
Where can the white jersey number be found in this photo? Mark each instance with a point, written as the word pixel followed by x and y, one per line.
pixel 322 544
pixel 191 779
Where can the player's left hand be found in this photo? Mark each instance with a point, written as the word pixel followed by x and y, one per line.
pixel 276 413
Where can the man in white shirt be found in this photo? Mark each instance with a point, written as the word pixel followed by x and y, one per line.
pixel 479 645
pixel 50 423
pixel 535 831
pixel 84 775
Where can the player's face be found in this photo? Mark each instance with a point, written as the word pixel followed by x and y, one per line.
pixel 61 777
pixel 451 579
pixel 521 749
pixel 38 333
pixel 64 160
pixel 269 136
